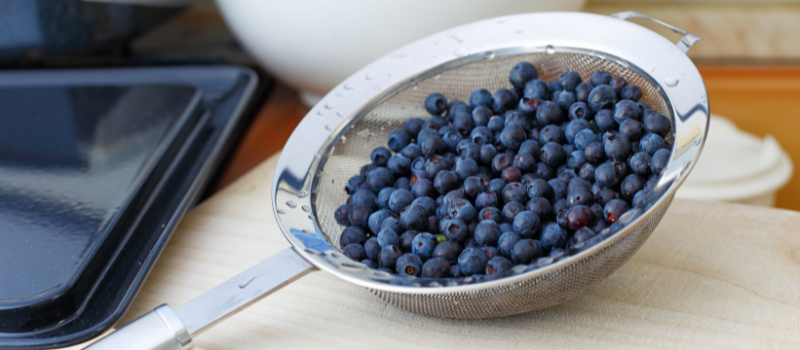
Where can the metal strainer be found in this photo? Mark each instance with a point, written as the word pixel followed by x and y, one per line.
pixel 337 136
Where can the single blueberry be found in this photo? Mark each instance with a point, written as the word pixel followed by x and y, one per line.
pixel 526 224
pixel 355 252
pixel 540 188
pixel 496 124
pixel 536 89
pixel 504 100
pixel 565 100
pixel 573 127
pixel 617 147
pixel 486 200
pixel 512 137
pixel 388 237
pixel 432 145
pixel 376 220
pixel 500 162
pixel 388 256
pixel 413 126
pixel 541 207
pixel 566 175
pixel 379 179
pixel 496 186
pixel 352 234
pixel 528 106
pixel 451 107
pixel 553 237
pixel 468 149
pixel 582 92
pixel 481 115
pixel 342 214
pixel 559 188
pixel 650 143
pixel 359 216
pixel 445 181
pixel 392 223
pixel 480 135
pixel 372 248
pixel 472 261
pixel 583 138
pixel 406 240
pixel 569 80
pixel 526 251
pixel 630 185
pixel 399 199
pixel 427 203
pixel 356 183
pixel 602 97
pixel 423 245
pixel 414 217
pixel 656 123
pixel 610 174
pixel 526 163
pixel 632 129
pixel 398 139
pixel 399 165
pixel 435 104
pixel 604 119
pixel 600 77
pixel 551 133
pixel 531 147
pixel 576 160
pixel 411 151
pixel 449 250
pixel 462 209
pixel 514 191
pixel 578 216
pixel 624 110
pixel 456 230
pixel 498 265
pixel 480 97
pixel 511 209
pixel 548 112
pixel 659 161
pixel 605 195
pixel 614 209
pixel 473 186
pixel 552 154
pixel 579 196
pixel 631 92
pixel 491 213
pixel 522 73
pixel 618 83
pixel 409 265
pixel 487 233
pixel 380 156
pixel 505 244
pixel 422 188
pixel 594 152
pixel 638 197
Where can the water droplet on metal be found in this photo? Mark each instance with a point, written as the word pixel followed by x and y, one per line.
pixel 415 88
pixel 518 30
pixel 437 77
pixel 550 49
pixel 306 208
pixel 368 76
pixel 311 251
pixel 489 55
pixel 291 204
pixel 501 20
pixel 328 106
pixel 307 231
pixel 519 268
pixel 327 127
pixel 671 82
pixel 281 211
pixel 339 113
pixel 319 113
pixel 460 52
pixel 704 98
pixel 349 87
pixel 344 140
pixel 456 36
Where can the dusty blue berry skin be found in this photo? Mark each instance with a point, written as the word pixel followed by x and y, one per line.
pixel 388 237
pixel 436 268
pixel 355 252
pixel 552 154
pixel 610 174
pixel 600 77
pixel 456 230
pixel 551 133
pixel 491 213
pixel 487 233
pixel 372 248
pixel 548 113
pixel 565 99
pixel 462 209
pixel 526 163
pixel 617 147
pixel 522 73
pixel 526 251
pixel 505 244
pixel 514 191
pixel 632 129
pixel 544 171
pixel 602 97
pixel 540 188
pixel 481 115
pixel 472 261
pixel 659 161
pixel 380 156
pixel 409 265
pixel 536 89
pixel 569 80
pixel 388 257
pixel 631 92
pixel 650 143
pixel 398 139
pixel 582 92
pixel 449 250
pixel 423 245
pixel 614 209
pixel 618 83
pixel 604 119
pixel 480 97
pixel 511 209
pixel 624 110
pixel 370 263
pixel 576 160
pixel 630 185
pixel 579 196
pixel 413 126
pixel 445 181
pixel 366 198
pixel 406 238
pixel 376 220
pixel 504 100
pixel 481 135
pixel 399 199
pixel 553 237
pixel 414 217
pixel 342 214
pixel 498 265
pixel 656 123
pixel 559 188
pixel 428 203
pixel 359 216
pixel 583 138
pixel 379 179
pixel 526 224
pixel 435 104
pixel 490 252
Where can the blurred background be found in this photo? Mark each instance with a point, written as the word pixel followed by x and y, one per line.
pixel 749 58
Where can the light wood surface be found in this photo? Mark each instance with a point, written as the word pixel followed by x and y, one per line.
pixel 711 276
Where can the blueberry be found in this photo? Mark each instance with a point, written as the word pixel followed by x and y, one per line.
pixel 552 154
pixel 610 174
pixel 524 162
pixel 388 237
pixel 486 200
pixel 376 220
pixel 356 183
pixel 448 250
pixel 614 209
pixel 618 83
pixel 512 137
pixel 435 104
pixel 406 240
pixel 617 147
pixel 600 77
pixel 595 153
pixel 480 97
pixel 587 171
pixel 582 93
pixel 491 213
pixel 473 186
pixel 427 203
pixel 559 188
pixel 366 198
pixel 526 224
pixel 456 230
pixel 423 245
pixel 352 234
pixel 355 252
pixel 452 106
pixel 573 127
pixel 565 99
pixel 498 265
pixel 370 263
pixel 583 138
pixel 399 165
pixel 409 265
pixel 632 129
pixel 511 174
pixel 496 123
pixel 480 135
pixel 378 179
pixel 514 191
pixel 566 175
pixel 462 209
pixel 569 80
pixel 388 256
pixel 425 133
pixel 380 156
pixel 399 199
pixel 541 207
pixel 578 182
pixel 605 195
pixel 511 209
pixel 624 110
pixel 500 162
pixel 467 149
pixel 432 145
pixel 367 168
pixel 579 216
pixel 436 268
pixel 601 97
pixel 505 244
pixel 451 140
pixel 342 214
pixel 481 115
pixel 359 216
pixel 496 186
pixel 392 223
pixel 487 233
pixel 490 252
pixel 567 150
pixel 656 123
pixel 631 92
pixel 526 251
pixel 540 188
pixel 551 133
pixel 455 271
pixel 651 183
pixel 522 73
pixel 472 261
pixel 414 217
pixel 576 160
pixel 583 235
pixel 435 164
pixel 528 106
pixel 518 119
pixel 604 119
pixel 579 196
pixel 558 206
pixel 398 139
pixel 445 181
pixel 536 89
pixel 423 187
pixel 504 100
pixel 553 237
pixel 372 248
pixel 659 161
pixel 638 197
pixel 548 113
pixel 650 143
pixel 630 185
pixel 413 126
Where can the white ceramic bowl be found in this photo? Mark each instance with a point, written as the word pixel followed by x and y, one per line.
pixel 312 45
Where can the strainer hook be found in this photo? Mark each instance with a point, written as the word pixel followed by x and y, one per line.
pixel 686 42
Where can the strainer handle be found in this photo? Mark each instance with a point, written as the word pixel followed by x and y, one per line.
pixel 686 42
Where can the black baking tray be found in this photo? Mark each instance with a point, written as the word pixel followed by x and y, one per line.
pixel 97 166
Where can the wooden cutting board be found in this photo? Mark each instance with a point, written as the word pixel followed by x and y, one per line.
pixel 712 275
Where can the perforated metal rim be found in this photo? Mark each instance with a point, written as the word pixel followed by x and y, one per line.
pixel 688 104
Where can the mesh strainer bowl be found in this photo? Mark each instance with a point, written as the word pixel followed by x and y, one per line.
pixel 337 136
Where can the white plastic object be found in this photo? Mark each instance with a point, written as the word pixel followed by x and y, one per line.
pixel 738 167
pixel 313 45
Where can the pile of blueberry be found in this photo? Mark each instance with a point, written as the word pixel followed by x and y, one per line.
pixel 525 176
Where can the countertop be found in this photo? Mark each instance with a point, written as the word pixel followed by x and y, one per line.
pixel 712 275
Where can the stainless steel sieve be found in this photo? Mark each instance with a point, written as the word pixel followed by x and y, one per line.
pixel 336 137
